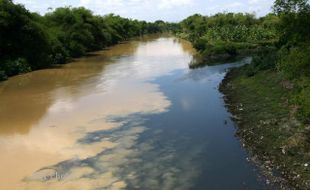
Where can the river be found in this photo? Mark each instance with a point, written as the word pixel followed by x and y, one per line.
pixel 133 116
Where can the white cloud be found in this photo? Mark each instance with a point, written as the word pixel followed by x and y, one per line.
pixel 260 7
pixel 168 4
pixel 151 10
pixel 84 2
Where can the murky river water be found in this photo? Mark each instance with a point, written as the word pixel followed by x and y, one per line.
pixel 133 116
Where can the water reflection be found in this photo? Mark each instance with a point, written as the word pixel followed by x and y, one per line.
pixel 56 130
pixel 25 99
pixel 129 117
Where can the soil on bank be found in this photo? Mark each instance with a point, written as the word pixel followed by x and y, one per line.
pixel 263 109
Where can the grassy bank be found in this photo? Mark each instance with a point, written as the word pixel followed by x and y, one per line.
pixel 265 107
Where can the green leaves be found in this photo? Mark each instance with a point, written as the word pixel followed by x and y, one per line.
pixel 21 36
pixel 290 6
pixel 31 41
pixel 229 27
pixel 14 67
pixel 294 62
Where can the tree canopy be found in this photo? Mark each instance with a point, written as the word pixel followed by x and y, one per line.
pixel 29 41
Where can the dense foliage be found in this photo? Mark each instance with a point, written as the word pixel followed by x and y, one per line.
pixel 291 58
pixel 295 37
pixel 281 41
pixel 274 92
pixel 294 54
pixel 22 40
pixel 29 41
pixel 226 33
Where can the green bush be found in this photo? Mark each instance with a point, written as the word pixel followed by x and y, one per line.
pixel 265 59
pixel 294 62
pixel 15 67
pixel 3 76
pixel 221 48
pixel 303 100
pixel 76 49
pixel 59 53
pixel 240 33
pixel 231 49
pixel 21 36
pixel 200 44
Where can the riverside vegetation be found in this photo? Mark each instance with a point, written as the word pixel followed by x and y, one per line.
pixel 270 98
pixel 227 35
pixel 29 41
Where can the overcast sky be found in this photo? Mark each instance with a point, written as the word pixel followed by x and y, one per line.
pixel 151 10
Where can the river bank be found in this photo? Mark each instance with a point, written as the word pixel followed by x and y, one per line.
pixel 4 77
pixel 263 109
pixel 202 60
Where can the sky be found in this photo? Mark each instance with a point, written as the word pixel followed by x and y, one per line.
pixel 151 10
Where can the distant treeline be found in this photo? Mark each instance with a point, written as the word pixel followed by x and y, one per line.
pixel 29 41
pixel 285 32
pixel 229 33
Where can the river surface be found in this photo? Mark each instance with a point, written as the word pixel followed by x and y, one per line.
pixel 133 116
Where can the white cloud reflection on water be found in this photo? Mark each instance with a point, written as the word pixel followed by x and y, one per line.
pixel 78 101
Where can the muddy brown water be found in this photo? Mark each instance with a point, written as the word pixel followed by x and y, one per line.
pixel 133 116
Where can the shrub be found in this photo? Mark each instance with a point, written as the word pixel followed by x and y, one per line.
pixel 17 66
pixel 294 62
pixel 221 48
pixel 231 49
pixel 76 49
pixel 200 44
pixel 265 59
pixel 59 53
pixel 3 76
pixel 303 99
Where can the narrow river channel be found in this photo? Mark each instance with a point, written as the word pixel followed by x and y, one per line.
pixel 133 116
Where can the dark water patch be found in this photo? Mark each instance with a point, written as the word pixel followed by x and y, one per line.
pixel 192 146
pixel 113 135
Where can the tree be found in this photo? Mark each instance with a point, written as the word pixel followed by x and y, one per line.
pixel 21 36
pixel 295 22
pixel 290 6
pixel 31 41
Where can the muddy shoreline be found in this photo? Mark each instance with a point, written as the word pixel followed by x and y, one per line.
pixel 273 170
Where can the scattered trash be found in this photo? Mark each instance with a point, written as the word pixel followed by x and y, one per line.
pixel 283 151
